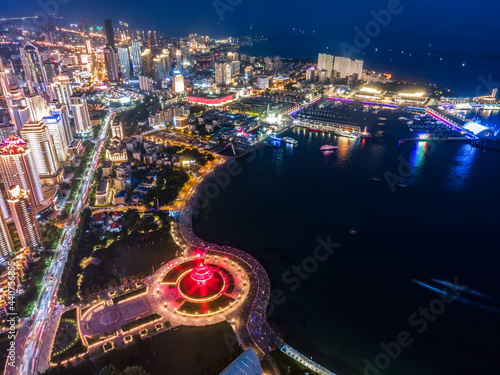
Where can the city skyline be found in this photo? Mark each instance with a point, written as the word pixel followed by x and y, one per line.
pixel 246 175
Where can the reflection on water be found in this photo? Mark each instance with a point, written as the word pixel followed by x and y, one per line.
pixel 417 158
pixel 461 168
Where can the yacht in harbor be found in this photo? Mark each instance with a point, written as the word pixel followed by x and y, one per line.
pixel 365 134
pixel 347 134
pixel 328 148
pixel 290 140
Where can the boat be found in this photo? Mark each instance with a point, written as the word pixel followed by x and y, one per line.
pixel 290 140
pixel 375 179
pixel 328 148
pixel 353 231
pixel 400 185
pixel 365 134
pixel 345 133
pixel 317 130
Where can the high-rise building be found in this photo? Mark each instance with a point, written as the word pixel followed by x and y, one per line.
pixel 235 67
pixel 277 63
pixel 162 66
pixel 178 83
pixel 112 65
pixel 80 113
pixel 6 245
pixel 347 67
pixel 135 56
pixel 24 217
pixel 124 60
pixel 35 76
pixel 248 73
pixel 145 83
pixel 223 74
pixel 110 34
pixel 147 62
pixel 17 167
pixel 88 46
pixel 61 90
pixel 39 139
pixel 325 62
pixel 269 64
pixel 38 107
pixel 310 73
pixel 61 110
pixel 21 116
pixel 56 129
pixel 117 130
pixel 5 81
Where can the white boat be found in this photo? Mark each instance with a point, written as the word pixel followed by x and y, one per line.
pixel 290 140
pixel 344 133
pixel 328 148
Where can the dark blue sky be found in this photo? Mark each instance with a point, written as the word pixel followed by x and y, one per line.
pixel 437 20
pixel 456 44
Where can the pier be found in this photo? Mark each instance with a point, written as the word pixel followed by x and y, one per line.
pixel 436 139
pixel 303 360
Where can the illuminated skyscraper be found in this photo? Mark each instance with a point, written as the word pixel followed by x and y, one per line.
pixel 80 113
pixel 56 129
pixel 61 90
pixel 223 74
pixel 124 62
pixel 24 217
pixel 38 107
pixel 325 62
pixel 35 76
pixel 347 67
pixel 147 62
pixel 36 133
pixel 135 56
pixel 145 83
pixel 17 167
pixel 162 66
pixel 61 110
pixel 112 65
pixel 178 83
pixel 6 245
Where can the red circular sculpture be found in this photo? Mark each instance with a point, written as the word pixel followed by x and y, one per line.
pixel 203 283
pixel 202 273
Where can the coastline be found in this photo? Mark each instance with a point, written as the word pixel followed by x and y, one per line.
pixel 257 333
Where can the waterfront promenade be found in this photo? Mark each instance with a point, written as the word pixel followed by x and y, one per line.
pixel 250 321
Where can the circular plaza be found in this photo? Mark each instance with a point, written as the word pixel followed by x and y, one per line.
pixel 202 286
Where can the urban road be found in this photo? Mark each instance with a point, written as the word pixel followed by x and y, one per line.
pixel 35 341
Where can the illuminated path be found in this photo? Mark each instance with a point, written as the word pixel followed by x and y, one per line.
pixel 249 324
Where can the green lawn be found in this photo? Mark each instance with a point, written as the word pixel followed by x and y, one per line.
pixel 135 257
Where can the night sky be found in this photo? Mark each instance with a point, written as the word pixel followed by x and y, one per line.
pixel 435 21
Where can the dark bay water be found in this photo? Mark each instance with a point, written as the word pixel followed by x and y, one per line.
pixel 443 226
